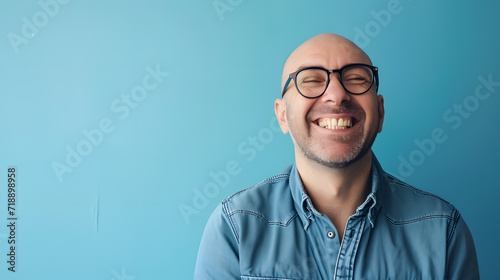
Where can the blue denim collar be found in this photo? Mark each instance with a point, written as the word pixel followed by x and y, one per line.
pixel 370 207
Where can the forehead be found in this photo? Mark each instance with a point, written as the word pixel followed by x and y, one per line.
pixel 330 52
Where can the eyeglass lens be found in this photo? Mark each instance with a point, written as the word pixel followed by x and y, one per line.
pixel 355 79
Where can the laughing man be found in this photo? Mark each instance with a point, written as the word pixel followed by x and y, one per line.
pixel 334 213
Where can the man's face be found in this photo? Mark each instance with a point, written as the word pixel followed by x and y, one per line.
pixel 311 122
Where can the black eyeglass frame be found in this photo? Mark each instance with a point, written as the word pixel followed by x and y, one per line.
pixel 294 75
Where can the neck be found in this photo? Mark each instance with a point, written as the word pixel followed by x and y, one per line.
pixel 336 192
pixel 336 182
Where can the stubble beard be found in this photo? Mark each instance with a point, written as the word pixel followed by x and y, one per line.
pixel 360 145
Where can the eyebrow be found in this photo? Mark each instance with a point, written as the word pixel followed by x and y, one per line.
pixel 307 66
pixel 303 66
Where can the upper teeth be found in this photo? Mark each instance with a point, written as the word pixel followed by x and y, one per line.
pixel 333 123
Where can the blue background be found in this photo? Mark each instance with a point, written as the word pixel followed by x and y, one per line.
pixel 135 204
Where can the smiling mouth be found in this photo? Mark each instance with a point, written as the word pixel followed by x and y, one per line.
pixel 336 124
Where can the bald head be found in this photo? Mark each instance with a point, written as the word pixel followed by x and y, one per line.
pixel 325 50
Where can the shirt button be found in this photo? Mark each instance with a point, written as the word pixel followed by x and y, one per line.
pixel 331 234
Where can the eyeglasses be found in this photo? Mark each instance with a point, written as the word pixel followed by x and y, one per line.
pixel 312 82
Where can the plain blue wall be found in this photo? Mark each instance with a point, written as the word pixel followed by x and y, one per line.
pixel 134 199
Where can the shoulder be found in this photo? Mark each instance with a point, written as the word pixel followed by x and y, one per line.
pixel 270 201
pixel 403 203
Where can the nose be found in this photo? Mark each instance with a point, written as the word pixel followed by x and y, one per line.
pixel 335 92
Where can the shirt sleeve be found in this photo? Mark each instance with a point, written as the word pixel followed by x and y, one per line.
pixel 218 253
pixel 461 255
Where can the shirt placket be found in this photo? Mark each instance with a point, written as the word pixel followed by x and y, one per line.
pixel 349 247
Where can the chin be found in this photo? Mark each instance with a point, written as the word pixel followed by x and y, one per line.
pixel 340 160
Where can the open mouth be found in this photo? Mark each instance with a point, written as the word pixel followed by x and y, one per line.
pixel 336 124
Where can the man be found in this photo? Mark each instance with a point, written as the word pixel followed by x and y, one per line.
pixel 334 214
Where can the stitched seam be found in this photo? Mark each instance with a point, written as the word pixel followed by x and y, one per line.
pixel 396 181
pixel 453 225
pixel 273 179
pixel 264 277
pixel 263 218
pixel 225 207
pixel 394 222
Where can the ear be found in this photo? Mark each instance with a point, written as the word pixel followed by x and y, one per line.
pixel 280 111
pixel 381 112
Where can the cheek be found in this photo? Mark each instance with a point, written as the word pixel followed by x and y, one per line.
pixel 297 112
pixel 372 115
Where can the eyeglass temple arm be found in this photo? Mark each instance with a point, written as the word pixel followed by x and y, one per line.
pixel 286 86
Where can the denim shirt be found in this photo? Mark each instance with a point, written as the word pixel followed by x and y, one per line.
pixel 272 231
